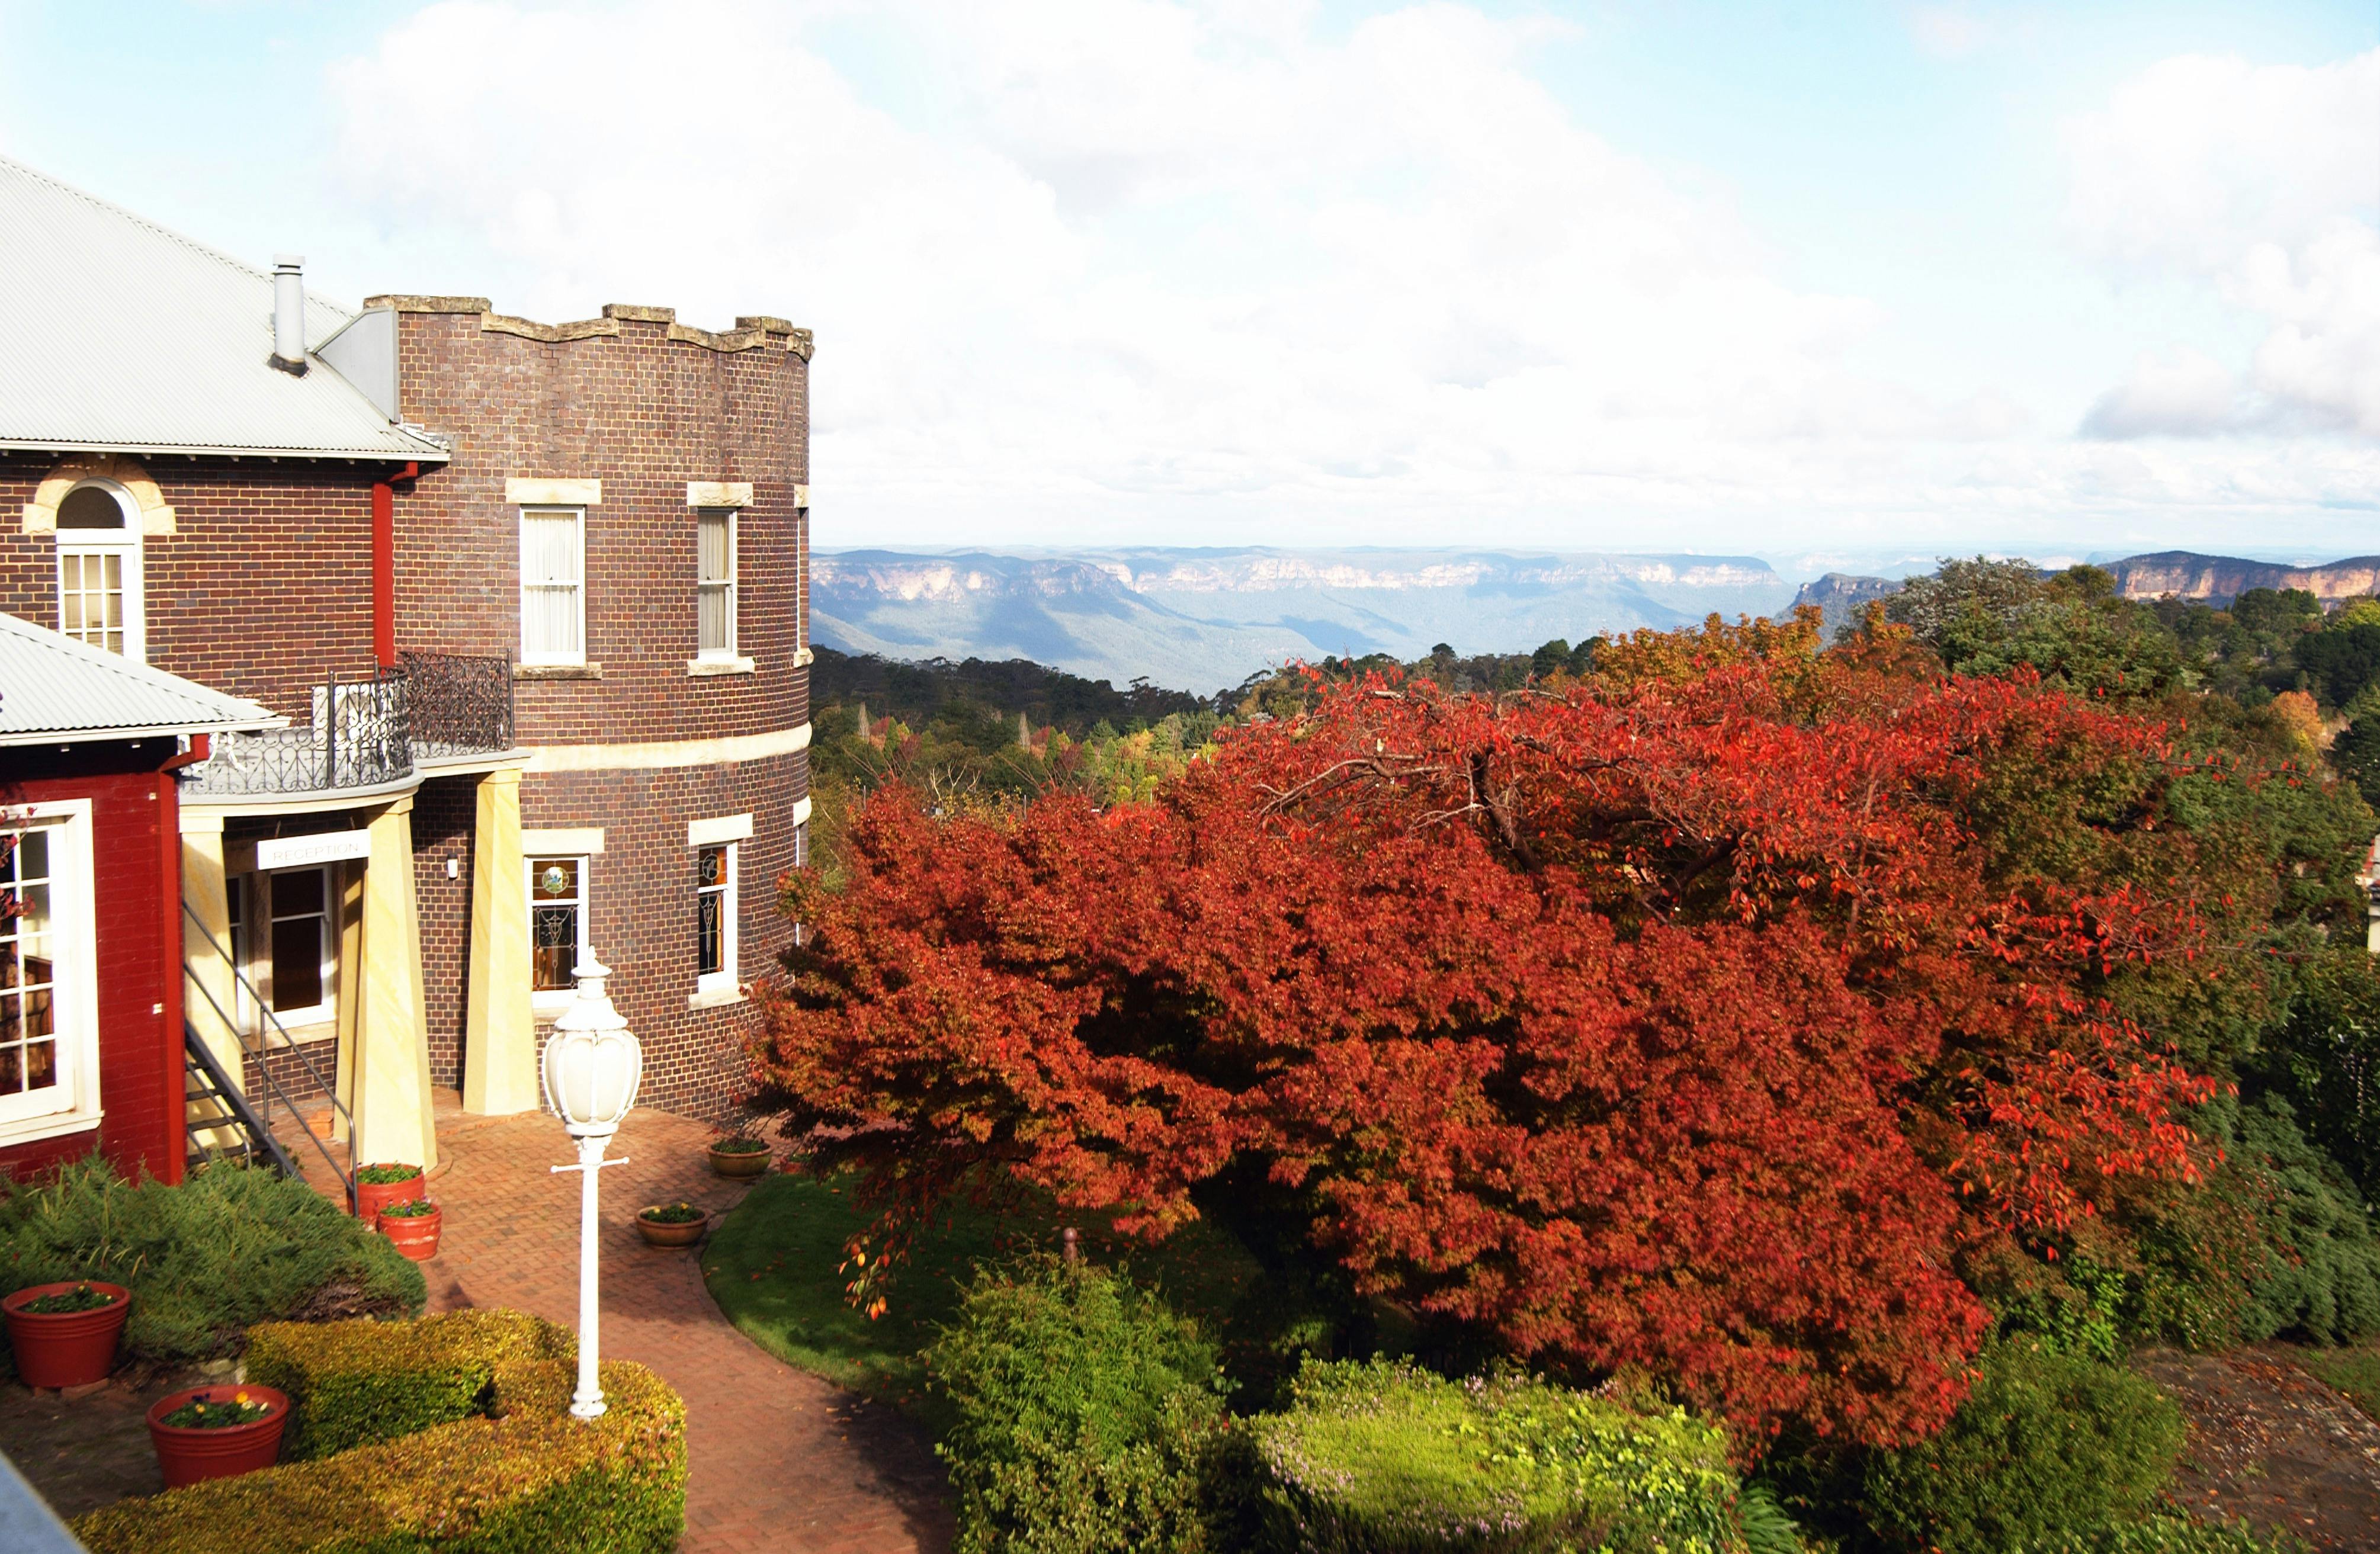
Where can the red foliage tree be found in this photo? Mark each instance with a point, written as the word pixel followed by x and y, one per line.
pixel 1693 1019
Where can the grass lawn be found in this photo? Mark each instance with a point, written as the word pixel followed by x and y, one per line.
pixel 2355 1372
pixel 772 1266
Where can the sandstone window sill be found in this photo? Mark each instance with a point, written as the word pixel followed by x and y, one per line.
pixel 717 998
pixel 704 668
pixel 557 672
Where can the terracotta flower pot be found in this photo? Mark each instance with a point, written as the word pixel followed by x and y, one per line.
pixel 373 1197
pixel 67 1348
pixel 667 1232
pixel 414 1236
pixel 188 1453
pixel 741 1162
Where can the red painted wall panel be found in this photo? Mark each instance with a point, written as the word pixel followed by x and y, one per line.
pixel 139 1058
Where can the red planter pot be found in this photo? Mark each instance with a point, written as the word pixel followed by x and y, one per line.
pixel 373 1197
pixel 414 1236
pixel 189 1455
pixel 69 1348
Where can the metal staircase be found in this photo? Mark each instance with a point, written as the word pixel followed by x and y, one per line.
pixel 218 1103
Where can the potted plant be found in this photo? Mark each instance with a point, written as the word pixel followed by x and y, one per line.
pixel 412 1227
pixel 390 1182
pixel 739 1155
pixel 672 1224
pixel 216 1431
pixel 64 1334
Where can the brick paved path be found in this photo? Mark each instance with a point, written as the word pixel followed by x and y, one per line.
pixel 779 1460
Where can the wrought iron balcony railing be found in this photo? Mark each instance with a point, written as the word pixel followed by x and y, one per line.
pixel 368 733
pixel 459 705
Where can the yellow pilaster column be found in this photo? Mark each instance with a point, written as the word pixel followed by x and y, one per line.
pixel 391 1077
pixel 350 877
pixel 499 1033
pixel 210 998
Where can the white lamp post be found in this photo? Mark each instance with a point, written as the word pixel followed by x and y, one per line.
pixel 592 1066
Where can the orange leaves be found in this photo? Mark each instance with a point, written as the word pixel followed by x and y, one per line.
pixel 1600 1018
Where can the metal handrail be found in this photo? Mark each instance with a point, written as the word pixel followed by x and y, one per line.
pixel 272 1086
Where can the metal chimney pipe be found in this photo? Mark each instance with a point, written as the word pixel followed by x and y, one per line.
pixel 289 313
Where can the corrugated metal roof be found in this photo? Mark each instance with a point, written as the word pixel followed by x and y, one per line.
pixel 54 689
pixel 118 335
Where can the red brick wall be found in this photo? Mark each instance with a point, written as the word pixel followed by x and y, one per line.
pixel 642 900
pixel 136 850
pixel 443 813
pixel 645 414
pixel 264 589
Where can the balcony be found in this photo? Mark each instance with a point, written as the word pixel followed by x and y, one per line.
pixel 369 734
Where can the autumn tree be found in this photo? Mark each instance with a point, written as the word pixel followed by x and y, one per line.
pixel 1701 1017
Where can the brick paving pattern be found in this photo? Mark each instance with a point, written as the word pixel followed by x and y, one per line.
pixel 780 1460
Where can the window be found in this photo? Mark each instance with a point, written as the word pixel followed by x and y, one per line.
pixel 554 585
pixel 714 917
pixel 49 1069
pixel 99 571
pixel 300 950
pixel 557 927
pixel 714 531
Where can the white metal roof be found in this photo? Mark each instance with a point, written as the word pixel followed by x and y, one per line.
pixel 118 335
pixel 54 690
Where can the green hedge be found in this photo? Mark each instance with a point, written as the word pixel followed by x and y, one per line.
pixel 1382 1457
pixel 526 1479
pixel 206 1260
pixel 354 1383
pixel 1083 1412
pixel 2049 1449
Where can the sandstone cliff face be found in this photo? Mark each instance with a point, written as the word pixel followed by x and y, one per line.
pixel 1844 598
pixel 2220 579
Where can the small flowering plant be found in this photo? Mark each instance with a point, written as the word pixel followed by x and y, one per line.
pixel 739 1144
pixel 673 1213
pixel 386 1175
pixel 82 1297
pixel 416 1209
pixel 219 1413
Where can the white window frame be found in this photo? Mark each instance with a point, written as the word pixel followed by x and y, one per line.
pixel 548 1002
pixel 72 1104
pixel 727 978
pixel 548 510
pixel 123 543
pixel 729 584
pixel 259 967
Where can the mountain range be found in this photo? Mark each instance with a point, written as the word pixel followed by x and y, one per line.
pixel 2182 573
pixel 1199 619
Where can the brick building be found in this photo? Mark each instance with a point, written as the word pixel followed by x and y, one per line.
pixel 531 598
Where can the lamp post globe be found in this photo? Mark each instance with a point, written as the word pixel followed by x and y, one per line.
pixel 592 1063
pixel 591 1066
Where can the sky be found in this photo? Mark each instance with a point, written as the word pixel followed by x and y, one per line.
pixel 1820 283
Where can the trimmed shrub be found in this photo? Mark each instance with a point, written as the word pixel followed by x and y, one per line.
pixel 352 1383
pixel 230 1247
pixel 2176 1532
pixel 2048 1447
pixel 2323 1281
pixel 527 1481
pixel 1083 1413
pixel 1378 1457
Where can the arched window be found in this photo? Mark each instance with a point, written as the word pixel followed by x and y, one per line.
pixel 99 569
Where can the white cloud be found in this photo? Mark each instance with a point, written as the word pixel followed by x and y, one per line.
pixel 2184 392
pixel 2261 182
pixel 1211 273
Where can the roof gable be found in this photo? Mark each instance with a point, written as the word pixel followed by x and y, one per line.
pixel 56 690
pixel 117 333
